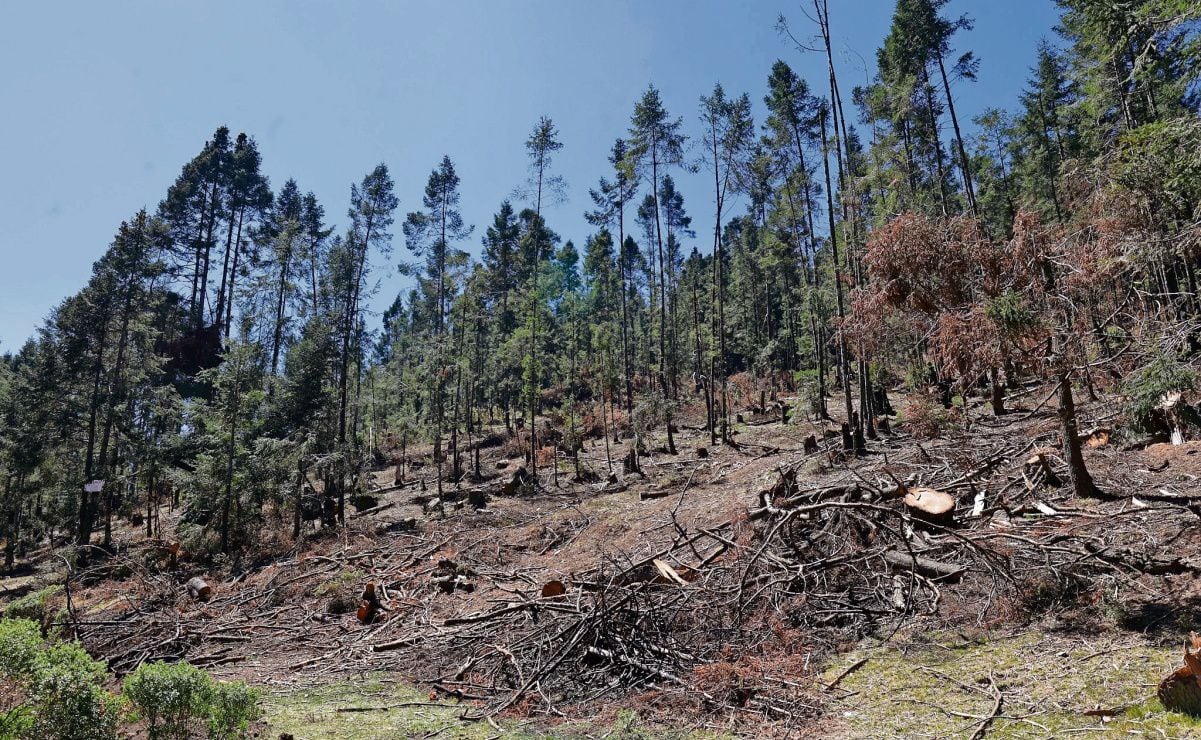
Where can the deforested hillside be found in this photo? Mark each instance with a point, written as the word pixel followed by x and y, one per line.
pixel 892 428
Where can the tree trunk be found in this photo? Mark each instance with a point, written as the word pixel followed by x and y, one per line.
pixel 964 162
pixel 1082 481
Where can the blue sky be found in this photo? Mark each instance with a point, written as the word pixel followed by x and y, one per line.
pixel 103 102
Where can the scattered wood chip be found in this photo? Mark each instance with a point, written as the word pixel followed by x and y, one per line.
pixel 669 573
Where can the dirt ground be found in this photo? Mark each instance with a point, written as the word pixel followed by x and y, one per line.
pixel 1051 661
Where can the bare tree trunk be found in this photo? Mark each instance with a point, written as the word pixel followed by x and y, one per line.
pixel 964 162
pixel 1082 481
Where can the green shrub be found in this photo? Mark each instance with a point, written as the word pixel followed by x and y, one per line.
pixel 178 700
pixel 20 641
pixel 171 697
pixel 15 723
pixel 32 606
pixel 234 706
pixel 66 698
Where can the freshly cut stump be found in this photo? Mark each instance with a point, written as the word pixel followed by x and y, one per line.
pixel 930 505
pixel 1181 691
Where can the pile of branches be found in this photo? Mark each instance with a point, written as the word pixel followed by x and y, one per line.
pixel 721 619
pixel 725 618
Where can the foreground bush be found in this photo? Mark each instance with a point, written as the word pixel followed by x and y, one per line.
pixel 32 606
pixel 61 686
pixel 67 698
pixel 55 691
pixel 178 700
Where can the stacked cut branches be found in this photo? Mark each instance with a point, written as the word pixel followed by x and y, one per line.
pixel 703 618
pixel 720 617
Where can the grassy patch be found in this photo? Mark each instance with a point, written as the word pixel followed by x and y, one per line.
pixel 312 713
pixel 938 685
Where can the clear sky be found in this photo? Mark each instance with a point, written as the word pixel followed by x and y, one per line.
pixel 101 103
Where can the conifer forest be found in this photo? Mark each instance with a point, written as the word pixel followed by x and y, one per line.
pixel 892 431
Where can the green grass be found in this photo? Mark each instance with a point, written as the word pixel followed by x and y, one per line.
pixel 312 714
pixel 938 686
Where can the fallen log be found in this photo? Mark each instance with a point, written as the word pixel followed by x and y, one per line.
pixel 924 566
pixel 373 509
pixel 648 495
pixel 393 645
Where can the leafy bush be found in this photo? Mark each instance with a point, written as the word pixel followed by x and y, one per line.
pixel 20 641
pixel 62 687
pixel 234 706
pixel 32 606
pixel 169 696
pixel 66 698
pixel 56 692
pixel 178 700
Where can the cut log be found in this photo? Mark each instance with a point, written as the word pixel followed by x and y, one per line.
pixel 1181 691
pixel 369 607
pixel 930 505
pixel 925 566
pixel 552 589
pixel 198 589
pixel 1098 437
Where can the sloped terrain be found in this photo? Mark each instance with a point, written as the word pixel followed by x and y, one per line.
pixel 719 590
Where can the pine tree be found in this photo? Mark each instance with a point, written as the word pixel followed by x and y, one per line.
pixel 728 138
pixel 371 209
pixel 610 199
pixel 432 234
pixel 656 143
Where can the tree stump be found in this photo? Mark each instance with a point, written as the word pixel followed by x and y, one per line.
pixel 369 607
pixel 1181 691
pixel 521 482
pixel 198 589
pixel 1037 470
pixel 930 505
pixel 810 445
